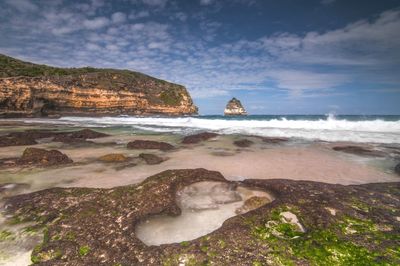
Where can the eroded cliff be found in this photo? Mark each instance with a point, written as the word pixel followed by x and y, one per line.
pixel 36 90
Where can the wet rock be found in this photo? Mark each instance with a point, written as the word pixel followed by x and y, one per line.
pixel 397 169
pixel 253 203
pixel 204 196
pixel 78 136
pixel 149 144
pixel 113 157
pixel 151 159
pixel 6 141
pixel 273 140
pixel 358 150
pixel 193 139
pixel 101 223
pixel 30 137
pixel 42 157
pixel 243 143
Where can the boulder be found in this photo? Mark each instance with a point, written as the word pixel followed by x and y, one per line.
pixel 42 157
pixel 151 158
pixel 243 143
pixel 193 139
pixel 149 144
pixel 113 157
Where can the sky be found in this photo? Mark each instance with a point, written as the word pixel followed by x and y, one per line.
pixel 277 57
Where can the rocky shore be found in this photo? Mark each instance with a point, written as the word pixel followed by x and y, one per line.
pixel 307 223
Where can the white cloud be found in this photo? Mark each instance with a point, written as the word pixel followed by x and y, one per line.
pixel 137 15
pixel 118 17
pixel 155 3
pixel 96 23
pixel 23 5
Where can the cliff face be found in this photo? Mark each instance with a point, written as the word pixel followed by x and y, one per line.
pixel 234 107
pixel 47 91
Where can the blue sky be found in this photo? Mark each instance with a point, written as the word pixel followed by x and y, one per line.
pixel 277 57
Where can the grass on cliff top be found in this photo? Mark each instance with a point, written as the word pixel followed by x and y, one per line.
pixel 11 67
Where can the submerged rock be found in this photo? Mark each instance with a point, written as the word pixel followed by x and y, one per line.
pixel 30 137
pixel 8 189
pixel 253 203
pixel 243 143
pixel 358 150
pixel 234 107
pixel 397 169
pixel 6 141
pixel 78 136
pixel 151 158
pixel 274 140
pixel 92 226
pixel 193 139
pixel 149 144
pixel 113 157
pixel 42 157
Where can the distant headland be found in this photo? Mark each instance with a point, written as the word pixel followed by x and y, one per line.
pixel 31 90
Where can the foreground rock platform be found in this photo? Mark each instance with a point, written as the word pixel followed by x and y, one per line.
pixel 308 223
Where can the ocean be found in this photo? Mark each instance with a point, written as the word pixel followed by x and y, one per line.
pixel 353 128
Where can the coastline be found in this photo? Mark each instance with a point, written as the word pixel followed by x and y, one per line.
pixel 102 160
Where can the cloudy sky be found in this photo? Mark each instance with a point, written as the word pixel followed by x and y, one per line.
pixel 277 57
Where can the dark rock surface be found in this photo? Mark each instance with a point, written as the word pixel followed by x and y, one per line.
pixel 358 150
pixel 30 137
pixel 37 157
pixel 397 169
pixel 149 144
pixel 6 141
pixel 338 225
pixel 193 139
pixel 274 140
pixel 42 157
pixel 151 159
pixel 78 136
pixel 243 143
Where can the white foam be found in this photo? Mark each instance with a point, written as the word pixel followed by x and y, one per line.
pixel 331 129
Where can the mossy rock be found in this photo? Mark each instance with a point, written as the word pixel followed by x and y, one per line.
pixel 113 157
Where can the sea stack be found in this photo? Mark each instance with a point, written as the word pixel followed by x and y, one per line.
pixel 234 107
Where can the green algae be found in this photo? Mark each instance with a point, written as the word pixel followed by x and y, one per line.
pixel 6 235
pixel 327 246
pixel 84 250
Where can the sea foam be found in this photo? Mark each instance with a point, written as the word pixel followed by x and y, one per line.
pixel 328 129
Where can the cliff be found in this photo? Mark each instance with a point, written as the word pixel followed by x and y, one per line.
pixel 234 107
pixel 28 89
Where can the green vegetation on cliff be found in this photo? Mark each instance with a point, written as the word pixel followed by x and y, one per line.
pixel 12 67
